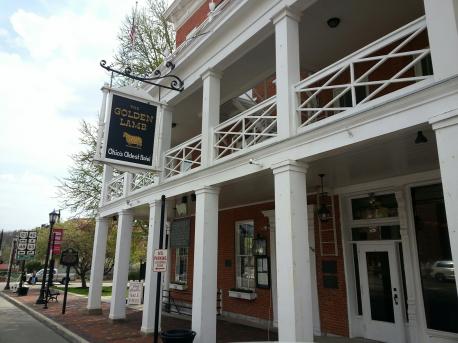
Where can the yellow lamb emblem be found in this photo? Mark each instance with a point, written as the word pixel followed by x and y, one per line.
pixel 133 141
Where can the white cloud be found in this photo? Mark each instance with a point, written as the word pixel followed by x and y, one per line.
pixel 50 81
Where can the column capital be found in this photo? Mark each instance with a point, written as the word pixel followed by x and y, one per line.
pixel 155 203
pixel 167 108
pixel 207 189
pixel 125 212
pixel 212 73
pixel 289 165
pixel 101 219
pixel 286 11
pixel 443 120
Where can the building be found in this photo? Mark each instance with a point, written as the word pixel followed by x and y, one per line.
pixel 278 92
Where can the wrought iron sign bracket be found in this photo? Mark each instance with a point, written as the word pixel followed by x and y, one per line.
pixel 176 84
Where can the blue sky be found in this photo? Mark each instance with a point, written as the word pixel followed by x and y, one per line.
pixel 49 55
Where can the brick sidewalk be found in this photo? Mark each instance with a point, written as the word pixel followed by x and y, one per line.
pixel 98 328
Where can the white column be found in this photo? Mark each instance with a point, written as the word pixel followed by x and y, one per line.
pixel 106 177
pixel 446 128
pixel 163 137
pixel 441 20
pixel 149 304
pixel 97 266
pixel 210 113
pixel 205 265
pixel 287 69
pixel 273 264
pixel 408 268
pixel 121 265
pixel 295 322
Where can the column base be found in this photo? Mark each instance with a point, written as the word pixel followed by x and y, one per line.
pixel 116 319
pixel 147 331
pixel 94 311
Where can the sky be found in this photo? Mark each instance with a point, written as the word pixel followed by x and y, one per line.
pixel 50 80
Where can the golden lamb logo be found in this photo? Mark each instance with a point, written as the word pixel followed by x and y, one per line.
pixel 133 141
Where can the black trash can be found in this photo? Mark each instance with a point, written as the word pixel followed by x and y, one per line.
pixel 22 291
pixel 178 336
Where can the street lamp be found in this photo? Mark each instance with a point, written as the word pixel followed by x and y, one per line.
pixel 53 216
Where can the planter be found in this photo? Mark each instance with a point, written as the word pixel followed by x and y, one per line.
pixel 242 295
pixel 178 286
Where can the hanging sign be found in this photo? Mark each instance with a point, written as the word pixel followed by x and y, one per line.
pixel 26 245
pixel 58 234
pixel 129 133
pixel 179 233
pixel 160 260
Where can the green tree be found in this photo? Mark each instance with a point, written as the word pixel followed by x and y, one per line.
pixel 80 190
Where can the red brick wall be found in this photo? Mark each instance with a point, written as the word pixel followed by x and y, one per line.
pixel 332 302
pixel 195 20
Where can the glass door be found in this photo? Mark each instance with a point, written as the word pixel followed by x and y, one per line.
pixel 381 292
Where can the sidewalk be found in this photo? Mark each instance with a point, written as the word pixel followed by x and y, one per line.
pixel 99 329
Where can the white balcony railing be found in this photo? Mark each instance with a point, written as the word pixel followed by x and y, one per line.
pixel 139 181
pixel 183 157
pixel 395 61
pixel 115 188
pixel 249 128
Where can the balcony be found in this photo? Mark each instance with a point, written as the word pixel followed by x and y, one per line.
pixel 396 61
pixel 382 71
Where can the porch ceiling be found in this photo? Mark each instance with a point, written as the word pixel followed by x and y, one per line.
pixel 388 156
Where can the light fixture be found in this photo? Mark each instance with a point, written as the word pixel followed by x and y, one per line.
pixel 174 125
pixel 333 22
pixel 259 246
pixel 420 138
pixel 53 217
pixel 323 212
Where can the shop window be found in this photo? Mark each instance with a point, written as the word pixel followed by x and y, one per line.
pixel 181 266
pixel 245 271
pixel 374 207
pixel 434 255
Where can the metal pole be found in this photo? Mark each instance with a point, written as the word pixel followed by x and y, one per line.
pixel 158 284
pixel 51 270
pixel 13 252
pixel 67 277
pixel 41 298
pixel 22 275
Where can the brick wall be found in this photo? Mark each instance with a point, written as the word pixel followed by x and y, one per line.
pixel 332 302
pixel 195 20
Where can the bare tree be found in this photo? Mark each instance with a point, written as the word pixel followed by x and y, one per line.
pixel 145 39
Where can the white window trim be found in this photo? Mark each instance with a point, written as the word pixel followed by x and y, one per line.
pixel 237 253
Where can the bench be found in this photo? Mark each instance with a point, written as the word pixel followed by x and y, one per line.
pixel 53 294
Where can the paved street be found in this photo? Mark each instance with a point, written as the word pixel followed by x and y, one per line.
pixel 18 326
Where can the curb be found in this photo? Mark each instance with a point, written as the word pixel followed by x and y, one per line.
pixel 61 330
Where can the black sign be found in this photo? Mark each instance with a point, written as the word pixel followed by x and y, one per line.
pixel 131 131
pixel 179 233
pixel 69 257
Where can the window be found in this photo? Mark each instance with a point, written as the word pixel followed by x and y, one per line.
pixel 244 235
pixel 435 258
pixel 375 207
pixel 424 67
pixel 181 265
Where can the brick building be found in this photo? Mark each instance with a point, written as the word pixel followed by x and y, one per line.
pixel 309 168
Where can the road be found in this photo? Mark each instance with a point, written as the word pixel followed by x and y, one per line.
pixel 16 326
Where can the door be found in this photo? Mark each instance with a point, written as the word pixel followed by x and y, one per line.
pixel 381 292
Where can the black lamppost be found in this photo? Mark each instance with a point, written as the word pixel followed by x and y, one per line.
pixel 53 216
pixel 10 265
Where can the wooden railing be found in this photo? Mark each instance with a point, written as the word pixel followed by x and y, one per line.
pixel 249 128
pixel 395 61
pixel 183 157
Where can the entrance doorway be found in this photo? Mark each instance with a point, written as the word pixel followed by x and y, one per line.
pixel 381 291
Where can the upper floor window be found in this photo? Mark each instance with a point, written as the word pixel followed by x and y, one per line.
pixel 245 272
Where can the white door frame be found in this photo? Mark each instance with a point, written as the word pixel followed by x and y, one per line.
pixel 382 330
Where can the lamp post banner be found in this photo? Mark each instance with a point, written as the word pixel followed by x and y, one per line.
pixel 129 133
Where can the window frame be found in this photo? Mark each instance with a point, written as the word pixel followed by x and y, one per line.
pixel 178 255
pixel 238 276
